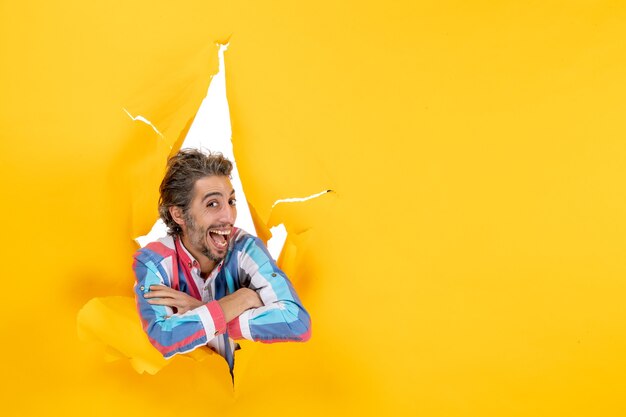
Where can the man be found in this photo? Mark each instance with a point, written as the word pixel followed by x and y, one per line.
pixel 208 282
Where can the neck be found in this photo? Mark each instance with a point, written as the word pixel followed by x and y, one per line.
pixel 206 265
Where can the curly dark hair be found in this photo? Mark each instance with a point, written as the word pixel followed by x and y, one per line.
pixel 183 170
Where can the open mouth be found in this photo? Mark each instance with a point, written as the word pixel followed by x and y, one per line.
pixel 219 237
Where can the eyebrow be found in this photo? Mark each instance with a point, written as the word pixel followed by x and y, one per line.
pixel 216 193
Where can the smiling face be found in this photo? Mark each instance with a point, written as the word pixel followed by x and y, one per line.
pixel 209 220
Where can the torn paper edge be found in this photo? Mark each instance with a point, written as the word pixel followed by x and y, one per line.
pixel 277 241
pixel 279 232
pixel 211 130
pixel 159 230
pixel 300 199
pixel 140 118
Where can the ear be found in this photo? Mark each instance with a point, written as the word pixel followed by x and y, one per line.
pixel 177 214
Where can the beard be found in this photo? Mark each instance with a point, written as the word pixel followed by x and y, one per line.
pixel 198 236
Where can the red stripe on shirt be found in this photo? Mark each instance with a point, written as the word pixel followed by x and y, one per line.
pixel 234 329
pixel 186 263
pixel 217 314
pixel 161 249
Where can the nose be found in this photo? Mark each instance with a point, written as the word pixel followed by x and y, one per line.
pixel 228 214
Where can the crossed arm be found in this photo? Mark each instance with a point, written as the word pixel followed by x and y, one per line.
pixel 267 309
pixel 232 305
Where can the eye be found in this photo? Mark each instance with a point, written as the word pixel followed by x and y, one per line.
pixel 232 202
pixel 212 204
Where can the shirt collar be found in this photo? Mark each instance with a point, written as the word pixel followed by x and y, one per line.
pixel 187 259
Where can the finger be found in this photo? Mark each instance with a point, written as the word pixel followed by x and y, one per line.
pixel 160 302
pixel 161 287
pixel 159 293
pixel 163 302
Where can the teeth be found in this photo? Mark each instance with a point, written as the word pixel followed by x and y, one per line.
pixel 220 232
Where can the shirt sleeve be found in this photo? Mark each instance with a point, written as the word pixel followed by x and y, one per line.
pixel 173 333
pixel 282 318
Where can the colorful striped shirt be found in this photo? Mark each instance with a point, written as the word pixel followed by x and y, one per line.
pixel 246 264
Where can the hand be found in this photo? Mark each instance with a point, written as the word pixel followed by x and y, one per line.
pixel 166 296
pixel 241 300
pixel 254 301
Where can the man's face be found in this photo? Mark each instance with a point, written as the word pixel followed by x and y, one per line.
pixel 211 216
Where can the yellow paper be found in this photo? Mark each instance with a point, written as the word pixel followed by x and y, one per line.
pixel 469 261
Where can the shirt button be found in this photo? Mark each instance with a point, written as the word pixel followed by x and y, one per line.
pixel 189 264
pixel 273 274
pixel 141 288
